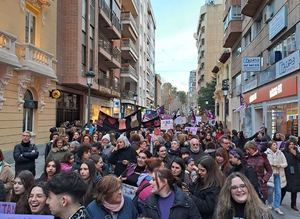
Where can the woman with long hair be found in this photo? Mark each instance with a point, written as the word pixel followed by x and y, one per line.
pixel 20 193
pixel 206 189
pixel 87 172
pixel 292 172
pixel 222 159
pixel 167 200
pixel 110 202
pixel 238 199
pixel 178 169
pixel 37 199
pixel 51 168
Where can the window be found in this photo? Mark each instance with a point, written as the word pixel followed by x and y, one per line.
pixel 30 25
pixel 283 49
pixel 83 15
pixel 237 50
pixel 83 52
pixel 92 13
pixel 257 26
pixel 246 39
pixel 28 113
pixel 234 13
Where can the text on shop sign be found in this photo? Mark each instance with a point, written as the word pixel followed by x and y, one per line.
pixel 275 90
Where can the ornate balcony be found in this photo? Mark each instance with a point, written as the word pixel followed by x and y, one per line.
pixel 128 71
pixel 8 49
pixel 129 51
pixel 130 29
pixel 36 60
pixel 249 7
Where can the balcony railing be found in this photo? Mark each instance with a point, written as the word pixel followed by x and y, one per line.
pixel 128 69
pixel 128 43
pixel 105 8
pixel 116 21
pixel 116 53
pixel 8 49
pixel 127 16
pixel 128 94
pixel 105 43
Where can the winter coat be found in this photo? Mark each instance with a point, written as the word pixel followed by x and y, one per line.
pixel 116 158
pixel 277 158
pixel 48 149
pixel 57 154
pixel 197 155
pixel 24 156
pixel 205 199
pixel 128 211
pixel 183 207
pixel 292 171
pixel 7 177
pixel 263 169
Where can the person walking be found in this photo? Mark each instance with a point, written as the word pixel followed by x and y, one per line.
pixel 25 154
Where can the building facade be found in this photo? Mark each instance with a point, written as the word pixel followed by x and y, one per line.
pixel 158 84
pixel 209 38
pixel 270 65
pixel 192 93
pixel 27 70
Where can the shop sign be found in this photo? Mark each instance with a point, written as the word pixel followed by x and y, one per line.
pixel 288 64
pixel 253 97
pixel 251 64
pixel 275 91
pixel 278 22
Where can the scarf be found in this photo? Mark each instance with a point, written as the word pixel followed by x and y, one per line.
pixel 114 207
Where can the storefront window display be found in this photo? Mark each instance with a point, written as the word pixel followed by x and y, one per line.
pixel 283 118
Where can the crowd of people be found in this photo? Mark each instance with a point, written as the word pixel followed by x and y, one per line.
pixel 174 174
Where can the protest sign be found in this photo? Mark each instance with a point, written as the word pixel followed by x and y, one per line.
pixel 129 190
pixel 166 124
pixel 180 120
pixel 7 207
pixel 193 130
pixel 25 216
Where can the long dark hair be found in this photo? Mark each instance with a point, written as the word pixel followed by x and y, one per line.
pixel 214 176
pixel 165 174
pixel 42 185
pixel 181 163
pixel 90 193
pixel 27 180
pixel 57 167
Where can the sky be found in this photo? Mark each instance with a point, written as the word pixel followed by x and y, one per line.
pixel 176 52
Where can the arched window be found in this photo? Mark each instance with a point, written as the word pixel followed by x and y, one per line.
pixel 28 112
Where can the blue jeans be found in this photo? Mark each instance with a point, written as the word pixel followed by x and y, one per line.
pixel 274 193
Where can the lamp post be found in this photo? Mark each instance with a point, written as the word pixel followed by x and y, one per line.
pixel 89 81
pixel 225 93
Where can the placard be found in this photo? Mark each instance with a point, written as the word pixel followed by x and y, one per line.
pixel 7 207
pixel 166 124
pixel 25 216
pixel 128 190
pixel 180 120
pixel 193 130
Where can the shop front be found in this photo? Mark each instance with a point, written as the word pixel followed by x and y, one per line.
pixel 274 106
pixel 101 104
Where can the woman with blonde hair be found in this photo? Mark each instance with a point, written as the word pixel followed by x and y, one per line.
pixel 238 199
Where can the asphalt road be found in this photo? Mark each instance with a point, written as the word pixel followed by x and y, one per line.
pixel 288 212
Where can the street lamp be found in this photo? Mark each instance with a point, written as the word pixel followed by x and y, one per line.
pixel 225 93
pixel 89 81
pixel 135 96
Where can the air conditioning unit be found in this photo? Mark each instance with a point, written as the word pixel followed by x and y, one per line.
pixel 268 13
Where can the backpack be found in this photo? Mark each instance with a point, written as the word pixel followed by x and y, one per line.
pixel 135 199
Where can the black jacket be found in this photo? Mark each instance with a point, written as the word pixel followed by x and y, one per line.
pixel 116 158
pixel 182 208
pixel 205 199
pixel 24 156
pixel 292 171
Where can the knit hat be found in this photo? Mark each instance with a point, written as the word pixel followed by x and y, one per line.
pixel 107 137
pixel 237 153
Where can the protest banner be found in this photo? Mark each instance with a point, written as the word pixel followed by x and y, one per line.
pixel 25 216
pixel 180 120
pixel 193 130
pixel 7 207
pixel 166 124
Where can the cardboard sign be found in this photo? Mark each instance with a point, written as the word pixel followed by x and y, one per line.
pixel 25 216
pixel 7 207
pixel 198 119
pixel 166 124
pixel 193 130
pixel 181 120
pixel 129 190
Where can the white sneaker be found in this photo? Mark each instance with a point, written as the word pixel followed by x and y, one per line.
pixel 270 206
pixel 277 210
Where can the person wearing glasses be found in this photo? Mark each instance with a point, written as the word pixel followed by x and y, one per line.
pixel 196 150
pixel 25 154
pixel 238 199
